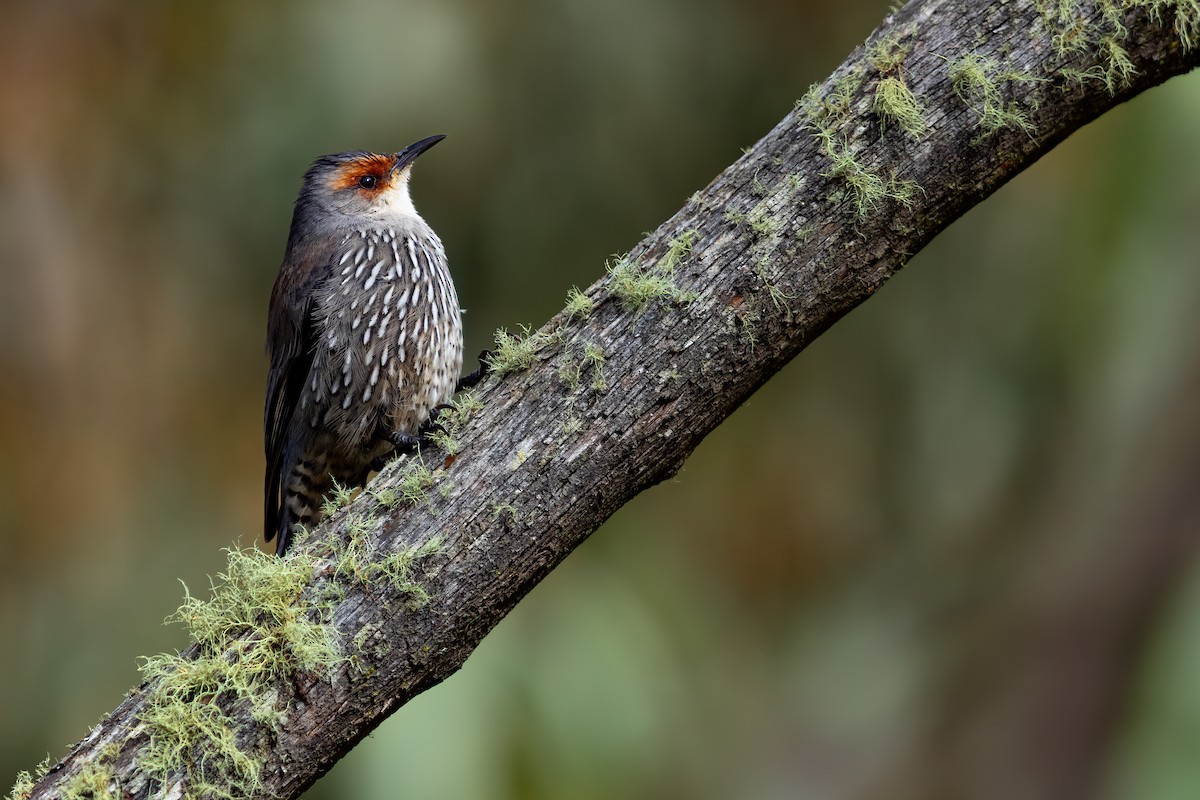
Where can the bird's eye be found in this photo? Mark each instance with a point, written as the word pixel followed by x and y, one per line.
pixel 368 181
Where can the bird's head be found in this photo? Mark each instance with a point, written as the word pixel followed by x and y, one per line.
pixel 348 189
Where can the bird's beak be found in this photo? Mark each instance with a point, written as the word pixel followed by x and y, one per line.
pixel 410 153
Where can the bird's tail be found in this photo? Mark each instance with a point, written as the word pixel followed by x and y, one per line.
pixel 299 501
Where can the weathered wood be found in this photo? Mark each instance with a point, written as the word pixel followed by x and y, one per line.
pixel 804 227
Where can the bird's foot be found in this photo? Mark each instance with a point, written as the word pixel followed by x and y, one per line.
pixel 473 379
pixel 434 424
pixel 407 443
pixel 404 444
pixel 412 442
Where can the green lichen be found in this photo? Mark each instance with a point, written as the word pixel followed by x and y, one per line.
pixel 250 635
pixel 96 779
pixel 579 305
pixel 415 484
pixel 462 408
pixel 1082 76
pixel 411 489
pixel 887 54
pixel 977 79
pixel 827 115
pixel 779 298
pixel 397 568
pixel 208 714
pixel 267 710
pixel 768 221
pixel 444 441
pixel 1070 28
pixel 386 497
pixel 637 288
pixel 747 321
pixel 358 558
pixel 763 223
pixel 1119 70
pixel 593 356
pixel 504 511
pixel 896 104
pixel 352 554
pixel 338 499
pixel 452 421
pixel 570 373
pixel 1187 17
pixel 23 786
pixel 369 641
pixel 678 248
pixel 576 362
pixel 365 633
pixel 638 285
pixel 868 189
pixel 516 353
pixel 757 187
pixel 844 88
pixel 833 107
pixel 1074 33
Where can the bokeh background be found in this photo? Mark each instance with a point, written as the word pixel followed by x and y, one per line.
pixel 948 552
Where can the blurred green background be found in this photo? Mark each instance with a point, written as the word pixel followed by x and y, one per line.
pixel 949 552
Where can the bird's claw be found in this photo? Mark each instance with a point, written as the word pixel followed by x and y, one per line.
pixel 434 423
pixel 411 442
pixel 407 442
pixel 473 379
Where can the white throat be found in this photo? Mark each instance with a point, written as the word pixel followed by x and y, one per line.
pixel 395 203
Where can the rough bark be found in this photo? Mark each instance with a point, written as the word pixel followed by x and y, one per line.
pixel 796 233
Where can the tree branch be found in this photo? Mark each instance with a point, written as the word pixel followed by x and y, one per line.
pixel 297 660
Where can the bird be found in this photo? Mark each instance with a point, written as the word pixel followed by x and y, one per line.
pixel 364 333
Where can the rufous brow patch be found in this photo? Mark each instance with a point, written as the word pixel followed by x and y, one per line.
pixel 349 174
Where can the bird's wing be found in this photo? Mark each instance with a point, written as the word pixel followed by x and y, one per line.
pixel 290 339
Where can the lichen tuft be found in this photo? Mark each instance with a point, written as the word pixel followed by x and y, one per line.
pixel 976 80
pixel 579 305
pixel 895 103
pixel 516 353
pixel 868 188
pixel 637 288
pixel 250 634
pixel 337 499
pixel 23 785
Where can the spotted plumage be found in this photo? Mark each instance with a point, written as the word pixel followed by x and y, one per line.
pixel 364 333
